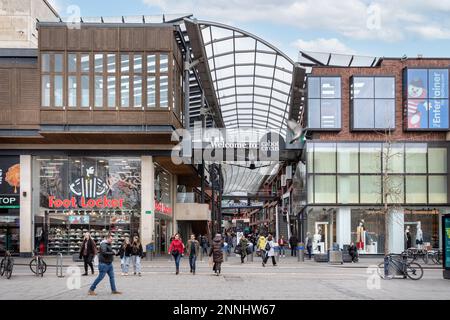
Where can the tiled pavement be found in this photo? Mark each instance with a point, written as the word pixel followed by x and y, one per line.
pixel 289 280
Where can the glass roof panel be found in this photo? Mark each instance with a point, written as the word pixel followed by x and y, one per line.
pixel 245 57
pixel 223 46
pixel 244 90
pixel 245 70
pixel 244 81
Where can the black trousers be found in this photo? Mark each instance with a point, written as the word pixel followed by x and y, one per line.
pixel 88 262
pixel 267 258
pixel 293 251
pixel 242 258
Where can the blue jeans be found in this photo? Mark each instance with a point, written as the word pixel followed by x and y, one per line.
pixel 104 269
pixel 125 264
pixel 136 260
pixel 282 251
pixel 177 261
pixel 192 260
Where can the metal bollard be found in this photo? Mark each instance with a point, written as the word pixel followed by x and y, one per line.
pixel 59 266
pixel 278 251
pixel 300 252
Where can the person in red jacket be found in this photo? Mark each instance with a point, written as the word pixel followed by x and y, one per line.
pixel 177 249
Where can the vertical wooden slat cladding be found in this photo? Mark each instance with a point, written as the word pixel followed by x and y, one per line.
pixel 79 117
pixel 5 116
pixel 28 88
pixel 132 39
pixel 105 117
pixel 27 116
pixel 158 39
pixel 79 39
pixel 52 117
pixel 105 39
pixel 138 39
pixel 133 118
pixel 5 89
pixel 157 117
pixel 52 38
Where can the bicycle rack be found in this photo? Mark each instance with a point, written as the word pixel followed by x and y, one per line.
pixel 59 266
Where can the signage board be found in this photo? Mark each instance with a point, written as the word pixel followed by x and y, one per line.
pixel 446 240
pixel 10 182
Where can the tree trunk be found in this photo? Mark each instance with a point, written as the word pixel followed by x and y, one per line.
pixel 387 216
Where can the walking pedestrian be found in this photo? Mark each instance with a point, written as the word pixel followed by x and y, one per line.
pixel 88 251
pixel 293 245
pixel 353 252
pixel 136 255
pixel 204 244
pixel 177 249
pixel 261 245
pixel 243 243
pixel 216 253
pixel 192 250
pixel 281 244
pixel 308 242
pixel 105 266
pixel 125 256
pixel 270 251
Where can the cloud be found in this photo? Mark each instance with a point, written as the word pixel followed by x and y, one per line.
pixel 323 45
pixel 385 20
pixel 56 4
pixel 431 32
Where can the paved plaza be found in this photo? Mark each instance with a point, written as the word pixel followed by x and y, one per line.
pixel 290 280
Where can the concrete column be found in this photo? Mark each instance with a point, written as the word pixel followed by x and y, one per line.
pixel 397 231
pixel 147 201
pixel 174 200
pixel 343 226
pixel 26 212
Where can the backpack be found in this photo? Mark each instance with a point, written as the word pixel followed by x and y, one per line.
pixel 267 246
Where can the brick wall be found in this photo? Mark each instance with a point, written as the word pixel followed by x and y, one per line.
pixel 388 67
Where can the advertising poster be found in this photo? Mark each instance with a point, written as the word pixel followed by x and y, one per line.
pixel 9 182
pixel 427 98
pixel 447 242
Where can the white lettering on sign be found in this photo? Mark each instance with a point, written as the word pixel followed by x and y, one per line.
pixel 1 177
pixel 437 113
pixel 7 200
pixel 437 85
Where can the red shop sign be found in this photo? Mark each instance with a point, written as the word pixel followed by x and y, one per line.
pixel 162 208
pixel 99 203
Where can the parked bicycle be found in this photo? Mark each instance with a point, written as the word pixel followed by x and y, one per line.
pixel 6 265
pixel 398 264
pixel 435 256
pixel 38 265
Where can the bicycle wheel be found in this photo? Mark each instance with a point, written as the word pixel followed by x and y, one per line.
pixel 425 258
pixel 390 271
pixel 9 268
pixel 2 267
pixel 414 271
pixel 34 269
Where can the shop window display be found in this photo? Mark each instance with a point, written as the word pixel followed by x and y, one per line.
pixel 87 194
pixel 423 228
pixel 368 231
pixel 322 227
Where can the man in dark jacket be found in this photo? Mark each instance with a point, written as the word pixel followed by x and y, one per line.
pixel 293 243
pixel 193 250
pixel 353 252
pixel 105 266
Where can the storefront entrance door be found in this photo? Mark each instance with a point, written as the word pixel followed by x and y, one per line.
pixel 320 238
pixel 9 239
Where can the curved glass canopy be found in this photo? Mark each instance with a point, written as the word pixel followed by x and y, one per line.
pixel 251 78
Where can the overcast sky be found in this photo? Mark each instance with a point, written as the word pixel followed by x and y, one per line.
pixel 389 28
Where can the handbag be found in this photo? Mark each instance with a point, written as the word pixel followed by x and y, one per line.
pixel 249 250
pixel 238 249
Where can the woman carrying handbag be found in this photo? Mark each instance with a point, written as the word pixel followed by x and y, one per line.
pixel 177 249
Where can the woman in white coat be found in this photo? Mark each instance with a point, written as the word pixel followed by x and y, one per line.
pixel 270 251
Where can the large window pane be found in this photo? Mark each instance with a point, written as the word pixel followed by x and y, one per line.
pixel 437 187
pixel 151 63
pixel 370 189
pixel 310 156
pixel 125 63
pixel 99 91
pixel 348 188
pixel 330 87
pixel 164 92
pixel 385 87
pixel 310 188
pixel 416 189
pixel 325 158
pixel 125 91
pixel 45 62
pixel 98 63
pixel 137 63
pixel 363 114
pixel 137 90
pixel 313 87
pixel 325 189
pixel 85 91
pixel 437 160
pixel 384 114
pixel 330 113
pixel 363 87
pixel 314 113
pixel 393 158
pixel 58 62
pixel 111 63
pixel 58 91
pixel 416 158
pixel 45 91
pixel 347 157
pixel 370 158
pixel 72 62
pixel 111 92
pixel 163 63
pixel 393 187
pixel 151 92
pixel 85 63
pixel 72 87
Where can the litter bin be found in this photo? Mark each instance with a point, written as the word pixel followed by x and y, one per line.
pixel 335 257
pixel 149 251
pixel 301 252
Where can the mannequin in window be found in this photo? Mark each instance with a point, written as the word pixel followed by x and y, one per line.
pixel 317 239
pixel 360 236
pixel 408 237
pixel 419 236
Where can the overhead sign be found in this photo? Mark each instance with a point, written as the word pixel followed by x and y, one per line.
pixel 10 182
